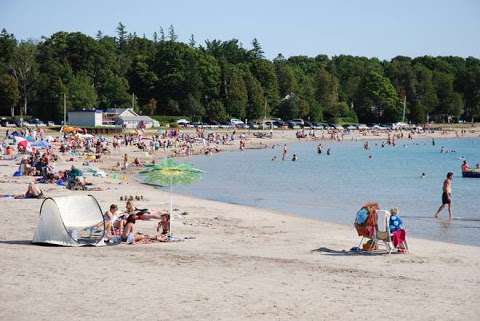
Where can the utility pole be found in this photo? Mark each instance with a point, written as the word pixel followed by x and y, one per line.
pixel 404 106
pixel 64 109
pixel 133 101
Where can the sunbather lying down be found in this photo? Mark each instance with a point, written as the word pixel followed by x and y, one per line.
pixel 32 192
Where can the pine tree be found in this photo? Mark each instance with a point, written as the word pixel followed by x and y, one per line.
pixel 192 41
pixel 121 35
pixel 171 34
pixel 162 34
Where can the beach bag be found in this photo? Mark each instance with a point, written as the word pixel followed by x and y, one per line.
pixel 369 246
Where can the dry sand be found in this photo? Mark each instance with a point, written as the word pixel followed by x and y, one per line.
pixel 242 263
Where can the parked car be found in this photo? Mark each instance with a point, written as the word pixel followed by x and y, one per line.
pixel 213 124
pixel 377 127
pixel 182 122
pixel 226 125
pixel 254 125
pixel 50 123
pixel 336 126
pixel 280 123
pixel 198 124
pixel 37 122
pixel 293 124
pixel 362 127
pixel 351 127
pixel 316 125
pixel 234 122
pixel 299 121
pixel 268 124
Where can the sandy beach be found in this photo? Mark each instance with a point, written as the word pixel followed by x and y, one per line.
pixel 236 263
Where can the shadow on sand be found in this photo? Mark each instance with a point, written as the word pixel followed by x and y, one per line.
pixel 327 251
pixel 16 242
pixel 25 242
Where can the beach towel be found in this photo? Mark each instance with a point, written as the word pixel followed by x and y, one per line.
pixel 362 216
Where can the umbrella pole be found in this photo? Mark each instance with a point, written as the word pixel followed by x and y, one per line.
pixel 171 211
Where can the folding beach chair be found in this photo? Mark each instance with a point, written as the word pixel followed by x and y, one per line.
pixel 376 231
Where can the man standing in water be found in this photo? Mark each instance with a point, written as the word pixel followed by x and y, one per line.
pixel 446 196
pixel 285 152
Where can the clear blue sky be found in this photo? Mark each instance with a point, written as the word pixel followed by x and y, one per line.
pixel 373 28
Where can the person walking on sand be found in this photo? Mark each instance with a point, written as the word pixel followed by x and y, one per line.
pixel 446 196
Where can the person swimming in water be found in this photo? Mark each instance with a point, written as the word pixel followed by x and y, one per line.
pixel 294 158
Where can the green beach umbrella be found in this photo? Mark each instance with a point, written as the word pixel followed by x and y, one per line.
pixel 169 173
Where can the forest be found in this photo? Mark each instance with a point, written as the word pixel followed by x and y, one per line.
pixel 217 80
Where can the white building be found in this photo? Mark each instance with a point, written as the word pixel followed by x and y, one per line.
pixel 124 117
pixel 85 118
pixel 127 118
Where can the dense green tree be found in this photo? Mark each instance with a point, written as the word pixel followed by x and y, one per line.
pixel 114 92
pixel 377 100
pixel 150 107
pixel 23 65
pixel 81 92
pixel 9 94
pixel 326 92
pixel 256 106
pixel 287 83
pixel 121 35
pixel 235 91
pixel 264 72
pixel 216 111
pixel 221 79
pixel 256 52
pixel 192 107
pixel 7 49
pixel 289 107
pixel 172 36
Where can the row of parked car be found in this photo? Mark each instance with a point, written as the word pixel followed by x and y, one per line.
pixel 34 122
pixel 293 124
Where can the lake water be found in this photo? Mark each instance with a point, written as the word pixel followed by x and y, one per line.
pixel 332 188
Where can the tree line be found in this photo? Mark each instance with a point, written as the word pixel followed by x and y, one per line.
pixel 218 79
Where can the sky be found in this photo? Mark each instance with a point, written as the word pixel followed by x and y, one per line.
pixel 372 28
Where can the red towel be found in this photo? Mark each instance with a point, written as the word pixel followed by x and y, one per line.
pixel 398 237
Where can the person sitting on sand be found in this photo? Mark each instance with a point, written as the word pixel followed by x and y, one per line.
pixel 112 220
pixel 164 224
pixel 128 234
pixel 142 214
pixel 136 162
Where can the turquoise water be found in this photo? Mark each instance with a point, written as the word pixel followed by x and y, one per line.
pixel 333 188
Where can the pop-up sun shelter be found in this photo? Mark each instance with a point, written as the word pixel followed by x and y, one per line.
pixel 70 221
